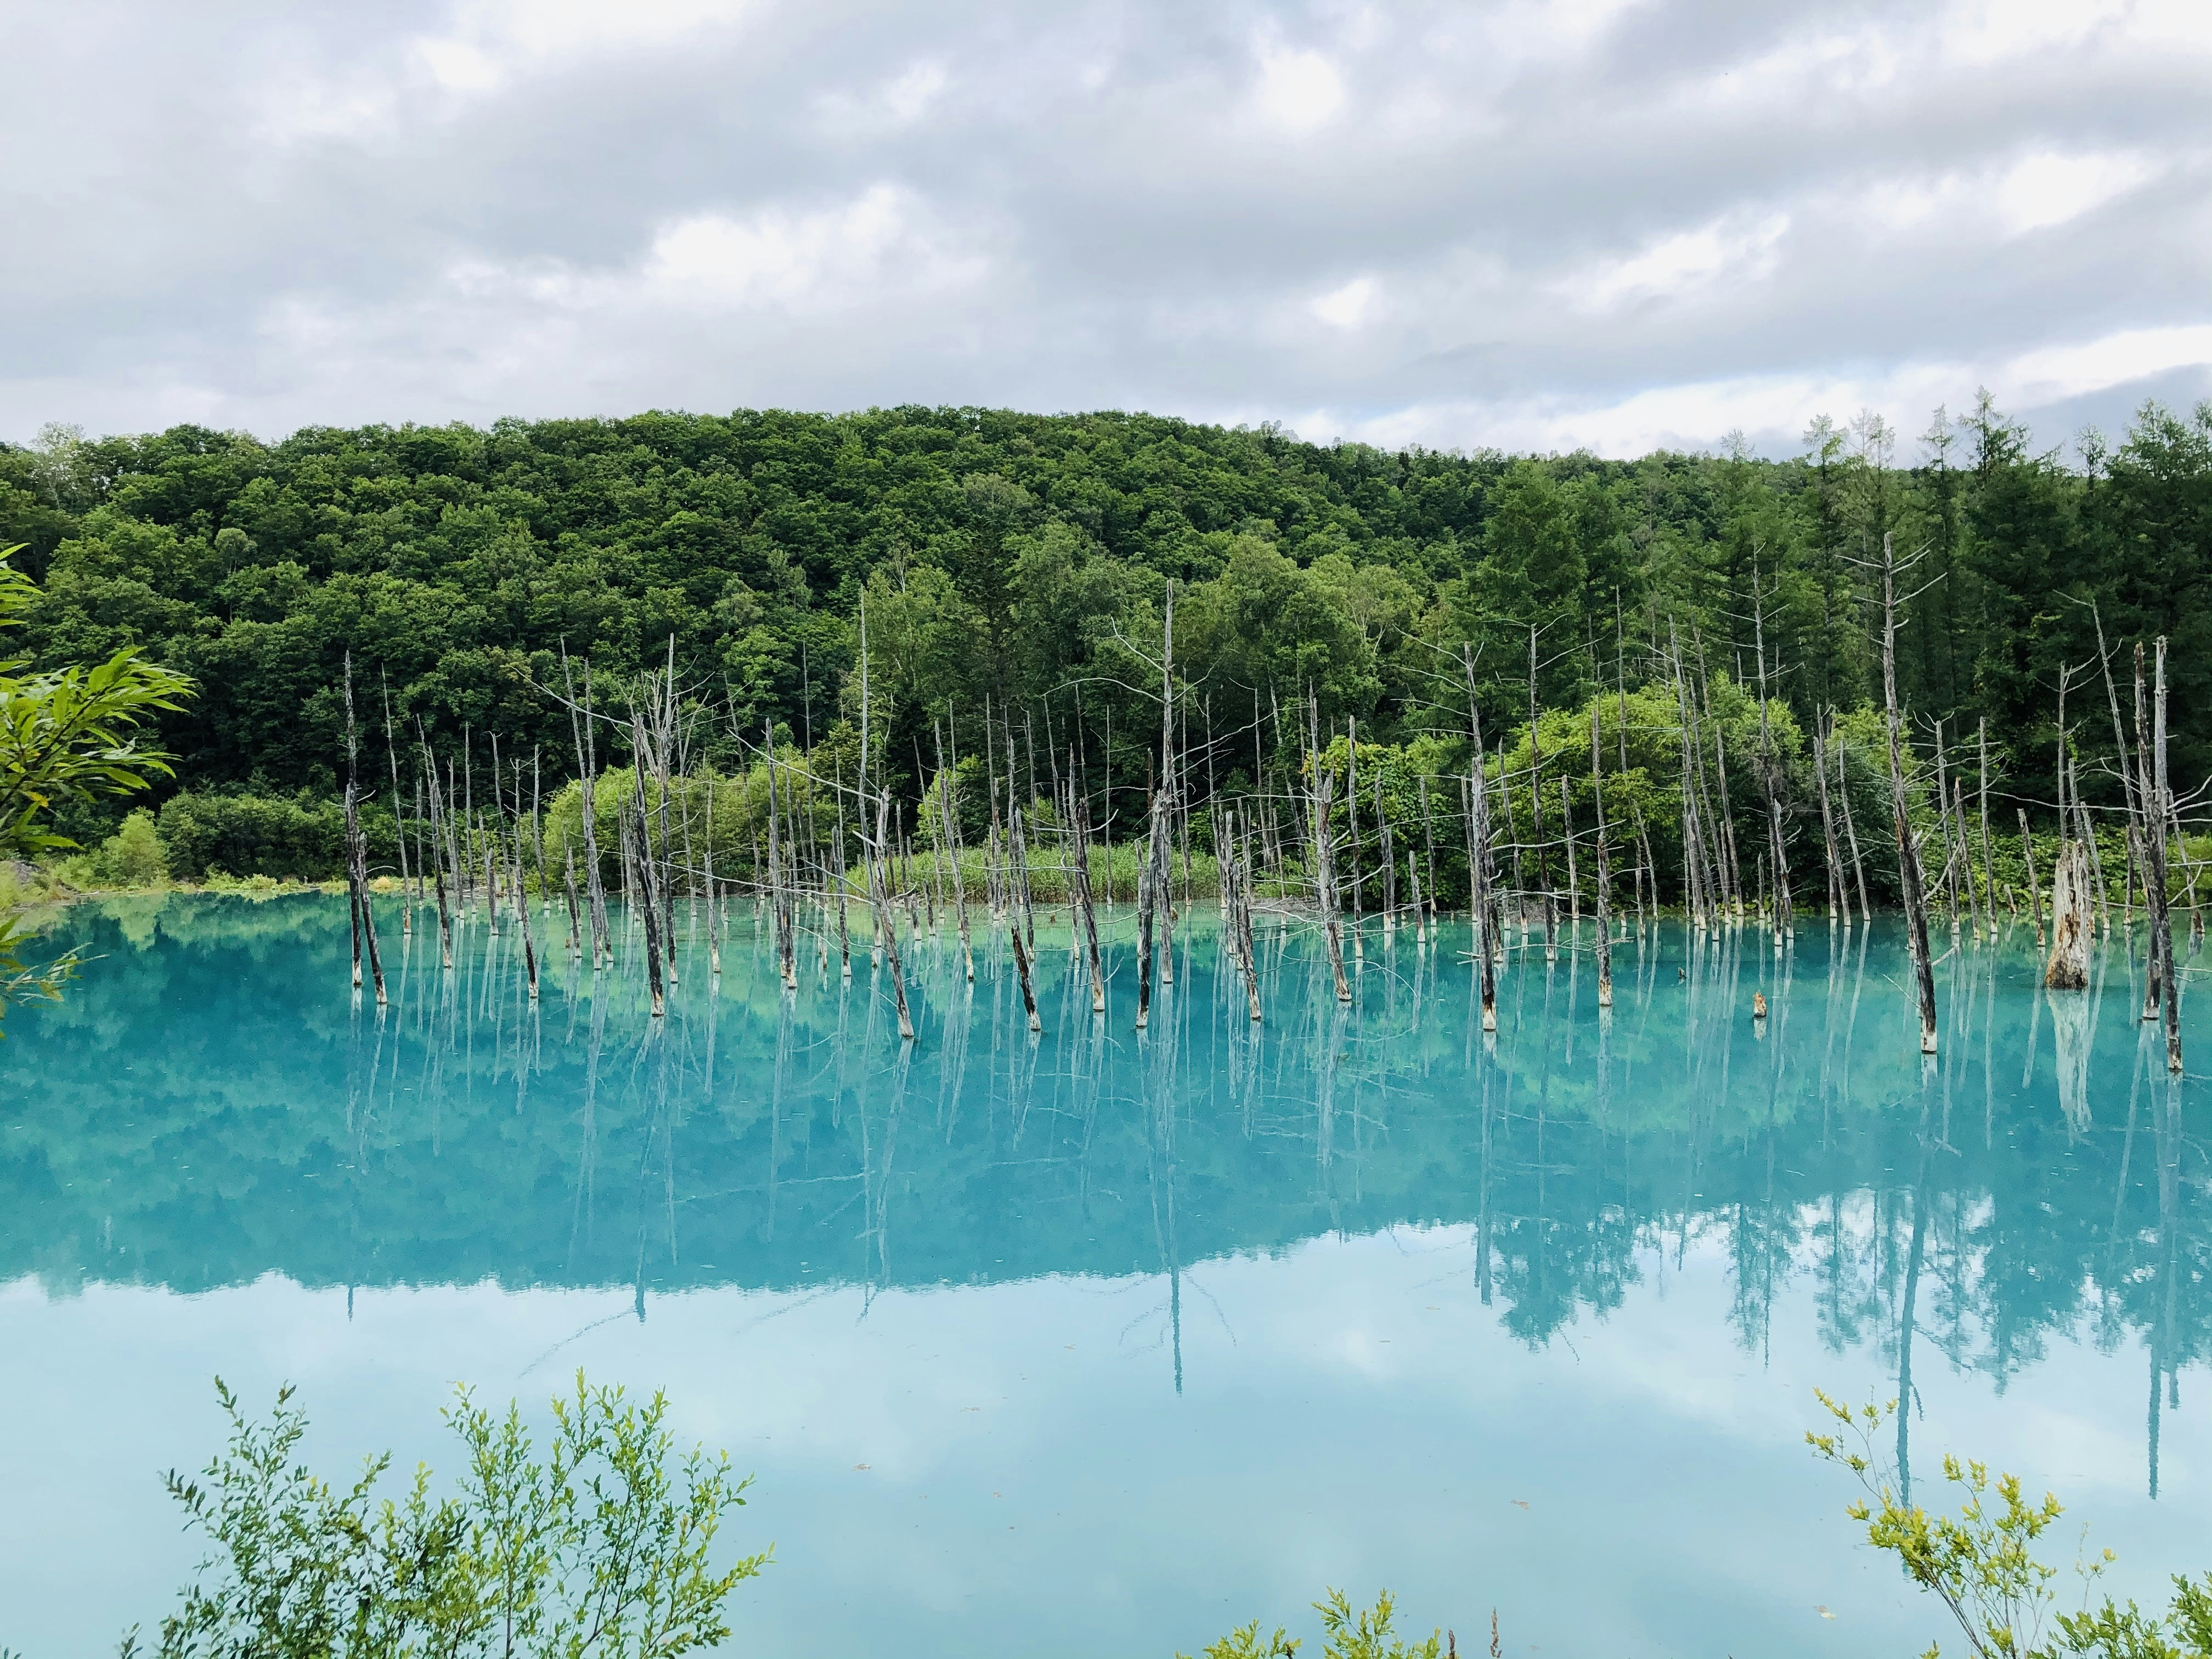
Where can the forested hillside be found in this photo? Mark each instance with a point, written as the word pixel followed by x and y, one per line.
pixel 1017 557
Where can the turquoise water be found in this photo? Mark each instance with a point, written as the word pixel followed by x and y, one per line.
pixel 1101 1342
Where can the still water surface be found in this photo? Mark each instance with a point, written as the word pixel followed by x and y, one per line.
pixel 1101 1342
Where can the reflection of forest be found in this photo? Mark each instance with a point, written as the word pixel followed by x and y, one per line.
pixel 208 1107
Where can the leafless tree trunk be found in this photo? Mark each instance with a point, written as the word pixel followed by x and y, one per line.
pixel 1604 922
pixel 1478 855
pixel 2034 891
pixel 1908 853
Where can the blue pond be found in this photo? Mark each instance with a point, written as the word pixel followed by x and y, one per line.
pixel 1101 1342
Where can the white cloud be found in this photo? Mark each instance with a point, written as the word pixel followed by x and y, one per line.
pixel 2069 371
pixel 900 102
pixel 1508 221
pixel 2049 188
pixel 2031 192
pixel 1346 306
pixel 489 42
pixel 1980 32
pixel 1775 408
pixel 1298 90
pixel 881 241
pixel 1687 264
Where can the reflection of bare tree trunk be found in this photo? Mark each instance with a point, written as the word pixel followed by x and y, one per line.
pixel 880 1196
pixel 588 1140
pixel 1160 1168
pixel 2164 1361
pixel 2072 1030
pixel 1482 1208
pixel 1906 1318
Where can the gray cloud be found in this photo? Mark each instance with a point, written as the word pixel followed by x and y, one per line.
pixel 1611 222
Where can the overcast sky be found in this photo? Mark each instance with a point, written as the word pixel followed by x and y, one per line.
pixel 1610 223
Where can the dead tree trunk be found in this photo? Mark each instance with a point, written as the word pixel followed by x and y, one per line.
pixel 1908 853
pixel 1835 889
pixel 1352 822
pixel 1478 854
pixel 1770 779
pixel 1080 872
pixel 1604 922
pixel 649 906
pixel 2034 892
pixel 1537 806
pixel 886 921
pixel 1323 794
pixel 2068 967
pixel 1852 834
pixel 2158 801
pixel 364 919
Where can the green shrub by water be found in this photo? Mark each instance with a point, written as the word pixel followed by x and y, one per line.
pixel 292 838
pixel 603 1547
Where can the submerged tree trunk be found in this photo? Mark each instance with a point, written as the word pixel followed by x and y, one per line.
pixel 1486 921
pixel 1852 833
pixel 522 915
pixel 575 919
pixel 1908 853
pixel 886 921
pixel 364 919
pixel 1086 913
pixel 1324 791
pixel 1835 889
pixel 2068 967
pixel 2159 809
pixel 438 859
pixel 2034 891
pixel 648 905
pixel 1604 922
pixel 1537 807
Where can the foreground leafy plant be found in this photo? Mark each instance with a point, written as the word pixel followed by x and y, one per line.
pixel 1345 1634
pixel 68 734
pixel 1979 1564
pixel 602 1549
pixel 20 981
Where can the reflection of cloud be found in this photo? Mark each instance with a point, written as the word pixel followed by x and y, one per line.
pixel 1310 1451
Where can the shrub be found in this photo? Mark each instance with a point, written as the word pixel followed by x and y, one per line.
pixel 1346 1633
pixel 132 856
pixel 1979 1564
pixel 301 838
pixel 601 1550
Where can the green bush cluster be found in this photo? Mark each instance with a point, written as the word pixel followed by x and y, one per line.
pixel 291 838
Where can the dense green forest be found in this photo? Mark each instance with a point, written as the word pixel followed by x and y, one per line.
pixel 1022 560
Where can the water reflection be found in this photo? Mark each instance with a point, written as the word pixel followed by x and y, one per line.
pixel 210 1105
